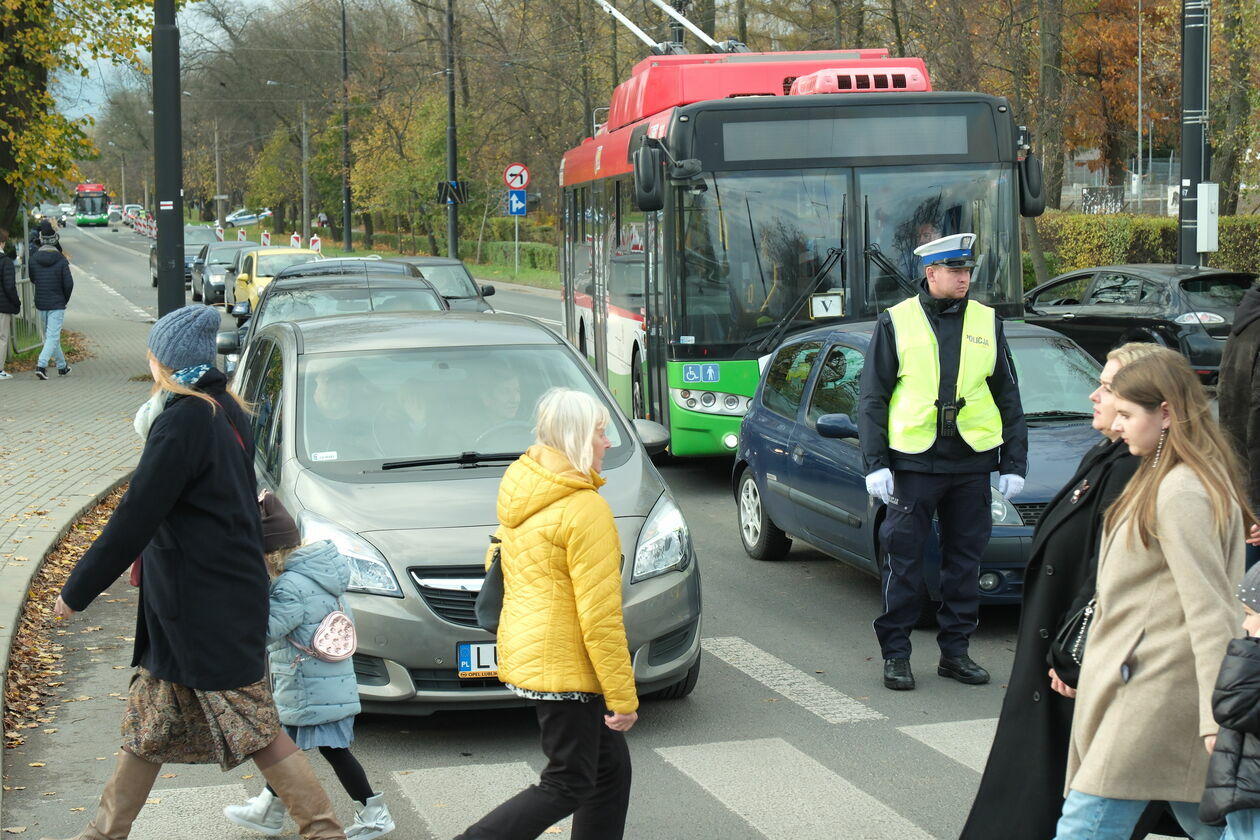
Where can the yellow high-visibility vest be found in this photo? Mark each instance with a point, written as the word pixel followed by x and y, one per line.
pixel 912 411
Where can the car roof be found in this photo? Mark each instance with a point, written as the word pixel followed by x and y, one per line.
pixel 282 249
pixel 429 260
pixel 407 330
pixel 237 245
pixel 348 266
pixel 368 280
pixel 858 333
pixel 1162 271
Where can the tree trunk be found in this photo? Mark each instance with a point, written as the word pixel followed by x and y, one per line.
pixel 898 38
pixel 1230 143
pixel 741 20
pixel 368 230
pixel 706 17
pixel 1036 250
pixel 1049 100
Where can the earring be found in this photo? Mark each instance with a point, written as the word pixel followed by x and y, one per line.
pixel 1159 450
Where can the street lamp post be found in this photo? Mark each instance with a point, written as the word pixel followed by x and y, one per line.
pixel 306 182
pixel 348 242
pixel 168 157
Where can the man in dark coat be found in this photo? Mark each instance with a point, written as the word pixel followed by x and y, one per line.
pixel 10 303
pixel 1239 393
pixel 50 274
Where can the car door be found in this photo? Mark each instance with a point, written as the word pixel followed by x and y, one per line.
pixel 1058 304
pixel 1117 303
pixel 829 489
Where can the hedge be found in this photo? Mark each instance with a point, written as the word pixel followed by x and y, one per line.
pixel 1081 240
pixel 540 255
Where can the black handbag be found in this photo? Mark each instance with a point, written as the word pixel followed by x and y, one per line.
pixel 489 603
pixel 1069 642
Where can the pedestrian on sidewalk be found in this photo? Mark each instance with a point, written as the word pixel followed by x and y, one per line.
pixel 1172 553
pixel 10 303
pixel 1232 794
pixel 1021 792
pixel 200 694
pixel 1238 390
pixel 562 640
pixel 50 274
pixel 317 699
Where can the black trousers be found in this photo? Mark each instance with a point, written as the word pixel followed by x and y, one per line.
pixel 587 775
pixel 962 504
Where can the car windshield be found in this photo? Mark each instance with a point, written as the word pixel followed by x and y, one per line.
pixel 397 405
pixel 199 236
pixel 450 280
pixel 271 264
pixel 222 256
pixel 296 304
pixel 1216 291
pixel 1055 375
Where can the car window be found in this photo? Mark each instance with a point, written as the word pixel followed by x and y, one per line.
pixel 267 425
pixel 786 376
pixel 450 280
pixel 270 264
pixel 836 390
pixel 1116 289
pixel 1067 292
pixel 1054 374
pixel 389 405
pixel 251 373
pixel 199 236
pixel 296 304
pixel 1216 291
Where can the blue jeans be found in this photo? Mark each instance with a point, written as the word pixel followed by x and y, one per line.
pixel 1242 825
pixel 52 320
pixel 1089 817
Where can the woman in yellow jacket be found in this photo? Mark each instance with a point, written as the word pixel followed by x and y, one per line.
pixel 562 642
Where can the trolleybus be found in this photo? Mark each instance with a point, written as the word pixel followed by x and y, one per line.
pixel 733 197
pixel 91 204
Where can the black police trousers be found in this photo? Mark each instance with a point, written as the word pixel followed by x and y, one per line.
pixel 963 505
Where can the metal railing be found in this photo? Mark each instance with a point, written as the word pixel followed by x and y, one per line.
pixel 27 332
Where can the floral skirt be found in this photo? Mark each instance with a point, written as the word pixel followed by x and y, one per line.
pixel 166 723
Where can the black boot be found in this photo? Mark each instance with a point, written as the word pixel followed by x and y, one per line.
pixel 897 675
pixel 963 669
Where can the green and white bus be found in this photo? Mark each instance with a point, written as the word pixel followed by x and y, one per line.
pixel 771 188
pixel 91 205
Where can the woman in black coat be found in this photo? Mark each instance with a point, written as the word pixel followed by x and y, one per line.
pixel 200 694
pixel 1021 793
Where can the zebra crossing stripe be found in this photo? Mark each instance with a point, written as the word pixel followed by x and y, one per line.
pixel 785 794
pixel 169 808
pixel 965 741
pixel 801 688
pixel 449 799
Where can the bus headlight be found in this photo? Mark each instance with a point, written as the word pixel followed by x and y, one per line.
pixel 664 542
pixel 711 402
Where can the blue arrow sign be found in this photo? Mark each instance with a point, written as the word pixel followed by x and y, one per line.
pixel 516 202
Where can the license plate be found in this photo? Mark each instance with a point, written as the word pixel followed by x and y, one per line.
pixel 478 660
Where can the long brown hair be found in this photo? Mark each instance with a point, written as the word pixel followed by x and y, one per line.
pixel 166 382
pixel 1164 377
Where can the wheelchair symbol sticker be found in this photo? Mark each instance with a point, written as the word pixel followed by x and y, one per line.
pixel 701 373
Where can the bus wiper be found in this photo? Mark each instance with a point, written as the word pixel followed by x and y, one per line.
pixel 1035 415
pixel 834 255
pixel 874 255
pixel 468 459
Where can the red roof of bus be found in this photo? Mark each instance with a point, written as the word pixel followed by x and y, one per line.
pixel 90 188
pixel 659 84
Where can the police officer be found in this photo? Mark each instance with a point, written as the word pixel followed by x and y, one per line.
pixel 939 412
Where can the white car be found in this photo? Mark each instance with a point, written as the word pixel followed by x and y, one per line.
pixel 243 217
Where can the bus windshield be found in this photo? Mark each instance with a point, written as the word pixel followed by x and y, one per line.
pixel 90 205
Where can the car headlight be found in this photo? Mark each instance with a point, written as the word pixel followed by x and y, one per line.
pixel 216 277
pixel 664 542
pixel 1004 513
pixel 369 572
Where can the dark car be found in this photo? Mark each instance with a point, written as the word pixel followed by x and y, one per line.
pixel 194 238
pixel 799 469
pixel 295 298
pixel 210 267
pixel 454 281
pixel 1185 307
pixel 350 266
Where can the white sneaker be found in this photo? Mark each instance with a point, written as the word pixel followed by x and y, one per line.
pixel 373 820
pixel 264 813
pixel 4 375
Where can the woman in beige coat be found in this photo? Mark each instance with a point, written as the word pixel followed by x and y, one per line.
pixel 1172 552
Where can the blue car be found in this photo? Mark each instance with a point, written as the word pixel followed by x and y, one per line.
pixel 798 478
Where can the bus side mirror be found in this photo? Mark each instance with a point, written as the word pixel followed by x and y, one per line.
pixel 649 181
pixel 1032 198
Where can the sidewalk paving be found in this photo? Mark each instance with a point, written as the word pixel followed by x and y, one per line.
pixel 66 442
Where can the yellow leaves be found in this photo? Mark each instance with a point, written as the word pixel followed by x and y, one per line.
pixel 37 764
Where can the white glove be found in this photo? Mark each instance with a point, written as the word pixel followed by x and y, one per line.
pixel 1010 486
pixel 880 484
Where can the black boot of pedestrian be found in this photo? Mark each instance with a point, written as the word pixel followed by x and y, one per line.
pixel 963 669
pixel 41 373
pixel 897 675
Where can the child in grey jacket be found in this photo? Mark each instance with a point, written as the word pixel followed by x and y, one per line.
pixel 317 700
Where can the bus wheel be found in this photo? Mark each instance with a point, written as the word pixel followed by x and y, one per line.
pixel 762 539
pixel 637 404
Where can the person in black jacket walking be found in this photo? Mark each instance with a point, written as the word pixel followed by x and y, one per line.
pixel 1232 793
pixel 50 274
pixel 200 694
pixel 10 303
pixel 1239 393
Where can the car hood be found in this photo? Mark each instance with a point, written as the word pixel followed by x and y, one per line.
pixel 1055 449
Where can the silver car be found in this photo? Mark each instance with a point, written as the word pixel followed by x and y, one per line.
pixel 388 433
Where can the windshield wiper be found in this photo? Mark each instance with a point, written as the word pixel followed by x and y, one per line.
pixel 468 459
pixel 1036 415
pixel 874 255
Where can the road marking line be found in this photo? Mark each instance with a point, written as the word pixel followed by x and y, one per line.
pixel 170 808
pixel 806 691
pixel 449 799
pixel 785 794
pixel 104 241
pixel 144 316
pixel 965 741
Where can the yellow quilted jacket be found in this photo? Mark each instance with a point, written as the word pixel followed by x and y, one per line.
pixel 561 628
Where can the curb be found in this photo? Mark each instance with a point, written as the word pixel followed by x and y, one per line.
pixel 15 583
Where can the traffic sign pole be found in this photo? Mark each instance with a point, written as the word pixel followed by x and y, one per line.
pixel 518 247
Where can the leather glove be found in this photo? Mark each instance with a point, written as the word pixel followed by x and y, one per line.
pixel 1010 486
pixel 880 484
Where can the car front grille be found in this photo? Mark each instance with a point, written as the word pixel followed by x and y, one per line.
pixel 450 591
pixel 436 679
pixel 1031 512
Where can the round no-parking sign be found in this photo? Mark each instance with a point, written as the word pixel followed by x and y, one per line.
pixel 516 176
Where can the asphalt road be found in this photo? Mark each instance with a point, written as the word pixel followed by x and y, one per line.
pixel 789 734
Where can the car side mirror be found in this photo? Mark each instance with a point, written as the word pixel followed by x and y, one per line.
pixel 240 309
pixel 653 436
pixel 487 291
pixel 228 341
pixel 837 426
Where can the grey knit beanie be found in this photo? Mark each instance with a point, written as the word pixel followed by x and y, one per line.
pixel 185 337
pixel 1249 589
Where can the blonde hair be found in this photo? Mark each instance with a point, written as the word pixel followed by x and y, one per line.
pixel 1164 377
pixel 166 382
pixel 276 560
pixel 1127 354
pixel 567 420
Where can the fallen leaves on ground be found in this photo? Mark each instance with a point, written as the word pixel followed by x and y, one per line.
pixel 35 661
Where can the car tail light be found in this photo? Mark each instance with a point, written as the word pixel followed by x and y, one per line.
pixel 1199 318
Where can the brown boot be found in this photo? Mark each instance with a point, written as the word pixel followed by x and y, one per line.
pixel 294 782
pixel 124 795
